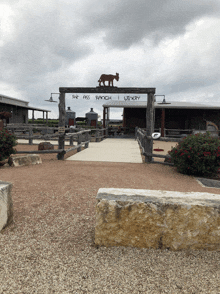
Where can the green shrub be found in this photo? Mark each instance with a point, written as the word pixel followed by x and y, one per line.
pixel 7 142
pixel 197 155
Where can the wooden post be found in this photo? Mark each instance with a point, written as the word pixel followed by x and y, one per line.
pixel 97 135
pixel 79 142
pixel 136 129
pixel 108 114
pixel 30 136
pixel 32 116
pixel 104 117
pixel 87 139
pixel 71 137
pixel 71 140
pixel 149 126
pixel 61 125
pixel 162 122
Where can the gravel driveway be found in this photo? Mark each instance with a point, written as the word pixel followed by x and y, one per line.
pixel 50 247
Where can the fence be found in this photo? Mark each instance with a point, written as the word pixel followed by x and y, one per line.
pixel 99 134
pixel 144 141
pixel 180 133
pixel 36 132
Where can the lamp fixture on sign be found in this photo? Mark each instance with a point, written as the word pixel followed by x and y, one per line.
pixel 164 100
pixel 51 98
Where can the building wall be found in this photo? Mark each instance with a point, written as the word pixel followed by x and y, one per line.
pixel 174 118
pixel 19 114
pixel 135 117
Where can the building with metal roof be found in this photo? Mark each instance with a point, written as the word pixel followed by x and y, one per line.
pixel 170 104
pixel 19 109
pixel 168 114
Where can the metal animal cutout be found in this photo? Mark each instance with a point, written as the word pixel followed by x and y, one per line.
pixel 108 78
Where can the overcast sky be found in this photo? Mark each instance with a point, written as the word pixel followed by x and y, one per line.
pixel 171 45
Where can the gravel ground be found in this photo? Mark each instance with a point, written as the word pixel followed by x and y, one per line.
pixel 50 246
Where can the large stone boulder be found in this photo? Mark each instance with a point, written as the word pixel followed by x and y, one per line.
pixel 24 160
pixel 45 146
pixel 6 206
pixel 157 219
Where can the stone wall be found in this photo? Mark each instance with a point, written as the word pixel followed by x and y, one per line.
pixel 6 207
pixel 157 219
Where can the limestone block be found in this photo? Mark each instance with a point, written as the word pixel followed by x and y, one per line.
pixel 6 206
pixel 157 219
pixel 24 160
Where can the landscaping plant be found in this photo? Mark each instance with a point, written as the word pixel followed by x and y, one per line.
pixel 197 155
pixel 7 142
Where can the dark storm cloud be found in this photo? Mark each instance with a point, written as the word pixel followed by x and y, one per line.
pixel 127 22
pixel 39 44
pixel 49 38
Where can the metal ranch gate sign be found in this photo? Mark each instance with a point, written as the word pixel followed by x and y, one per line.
pixel 107 90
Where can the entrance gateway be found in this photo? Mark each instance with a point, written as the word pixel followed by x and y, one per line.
pixel 109 90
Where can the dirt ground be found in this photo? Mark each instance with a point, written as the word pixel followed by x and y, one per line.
pixel 103 174
pixel 54 219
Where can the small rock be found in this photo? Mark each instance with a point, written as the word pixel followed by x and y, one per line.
pixel 45 146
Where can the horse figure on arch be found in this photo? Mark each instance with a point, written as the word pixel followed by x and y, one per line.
pixel 109 78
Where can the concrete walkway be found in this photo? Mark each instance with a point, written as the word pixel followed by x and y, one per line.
pixel 111 150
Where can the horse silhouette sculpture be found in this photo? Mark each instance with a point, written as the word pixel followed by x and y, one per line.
pixel 109 79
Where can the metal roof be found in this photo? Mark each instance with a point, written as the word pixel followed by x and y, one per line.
pixel 168 104
pixel 19 103
pixel 36 108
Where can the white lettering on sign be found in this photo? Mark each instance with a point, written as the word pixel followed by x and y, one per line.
pixel 129 98
pixel 103 97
